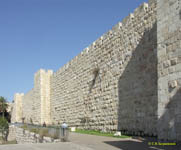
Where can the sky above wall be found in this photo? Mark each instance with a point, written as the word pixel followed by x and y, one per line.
pixel 47 34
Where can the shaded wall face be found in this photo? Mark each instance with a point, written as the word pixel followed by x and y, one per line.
pixel 138 88
pixel 32 102
pixel 17 108
pixel 13 113
pixel 27 103
pixel 101 87
pixel 169 69
pixel 36 110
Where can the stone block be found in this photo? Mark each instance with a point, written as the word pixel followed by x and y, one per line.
pixel 47 140
pixel 117 134
pixel 57 141
pixel 166 64
pixel 172 84
pixel 173 61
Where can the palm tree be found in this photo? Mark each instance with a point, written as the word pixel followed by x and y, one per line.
pixel 3 105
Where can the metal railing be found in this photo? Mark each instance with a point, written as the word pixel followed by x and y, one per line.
pixel 55 132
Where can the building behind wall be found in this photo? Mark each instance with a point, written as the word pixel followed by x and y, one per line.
pixel 128 79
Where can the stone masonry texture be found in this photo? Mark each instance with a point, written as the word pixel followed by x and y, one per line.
pixel 93 90
pixel 128 80
pixel 169 68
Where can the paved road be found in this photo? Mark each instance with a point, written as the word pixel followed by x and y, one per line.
pixel 45 146
pixel 91 142
pixel 109 143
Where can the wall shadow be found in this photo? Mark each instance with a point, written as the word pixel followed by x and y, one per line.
pixel 137 89
pixel 144 144
pixel 169 124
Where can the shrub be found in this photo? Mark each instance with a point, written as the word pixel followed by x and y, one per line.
pixel 3 123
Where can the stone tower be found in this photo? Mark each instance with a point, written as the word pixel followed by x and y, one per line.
pixel 42 95
pixel 169 68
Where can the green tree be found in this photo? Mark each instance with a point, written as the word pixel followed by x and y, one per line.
pixel 4 128
pixel 3 105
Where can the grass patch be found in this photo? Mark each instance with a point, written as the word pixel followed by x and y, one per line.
pixel 99 133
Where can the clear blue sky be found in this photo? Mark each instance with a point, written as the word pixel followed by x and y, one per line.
pixel 47 34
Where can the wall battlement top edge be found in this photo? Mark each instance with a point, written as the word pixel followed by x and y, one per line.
pixel 150 2
pixel 142 9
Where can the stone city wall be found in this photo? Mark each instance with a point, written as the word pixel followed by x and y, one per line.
pixel 112 84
